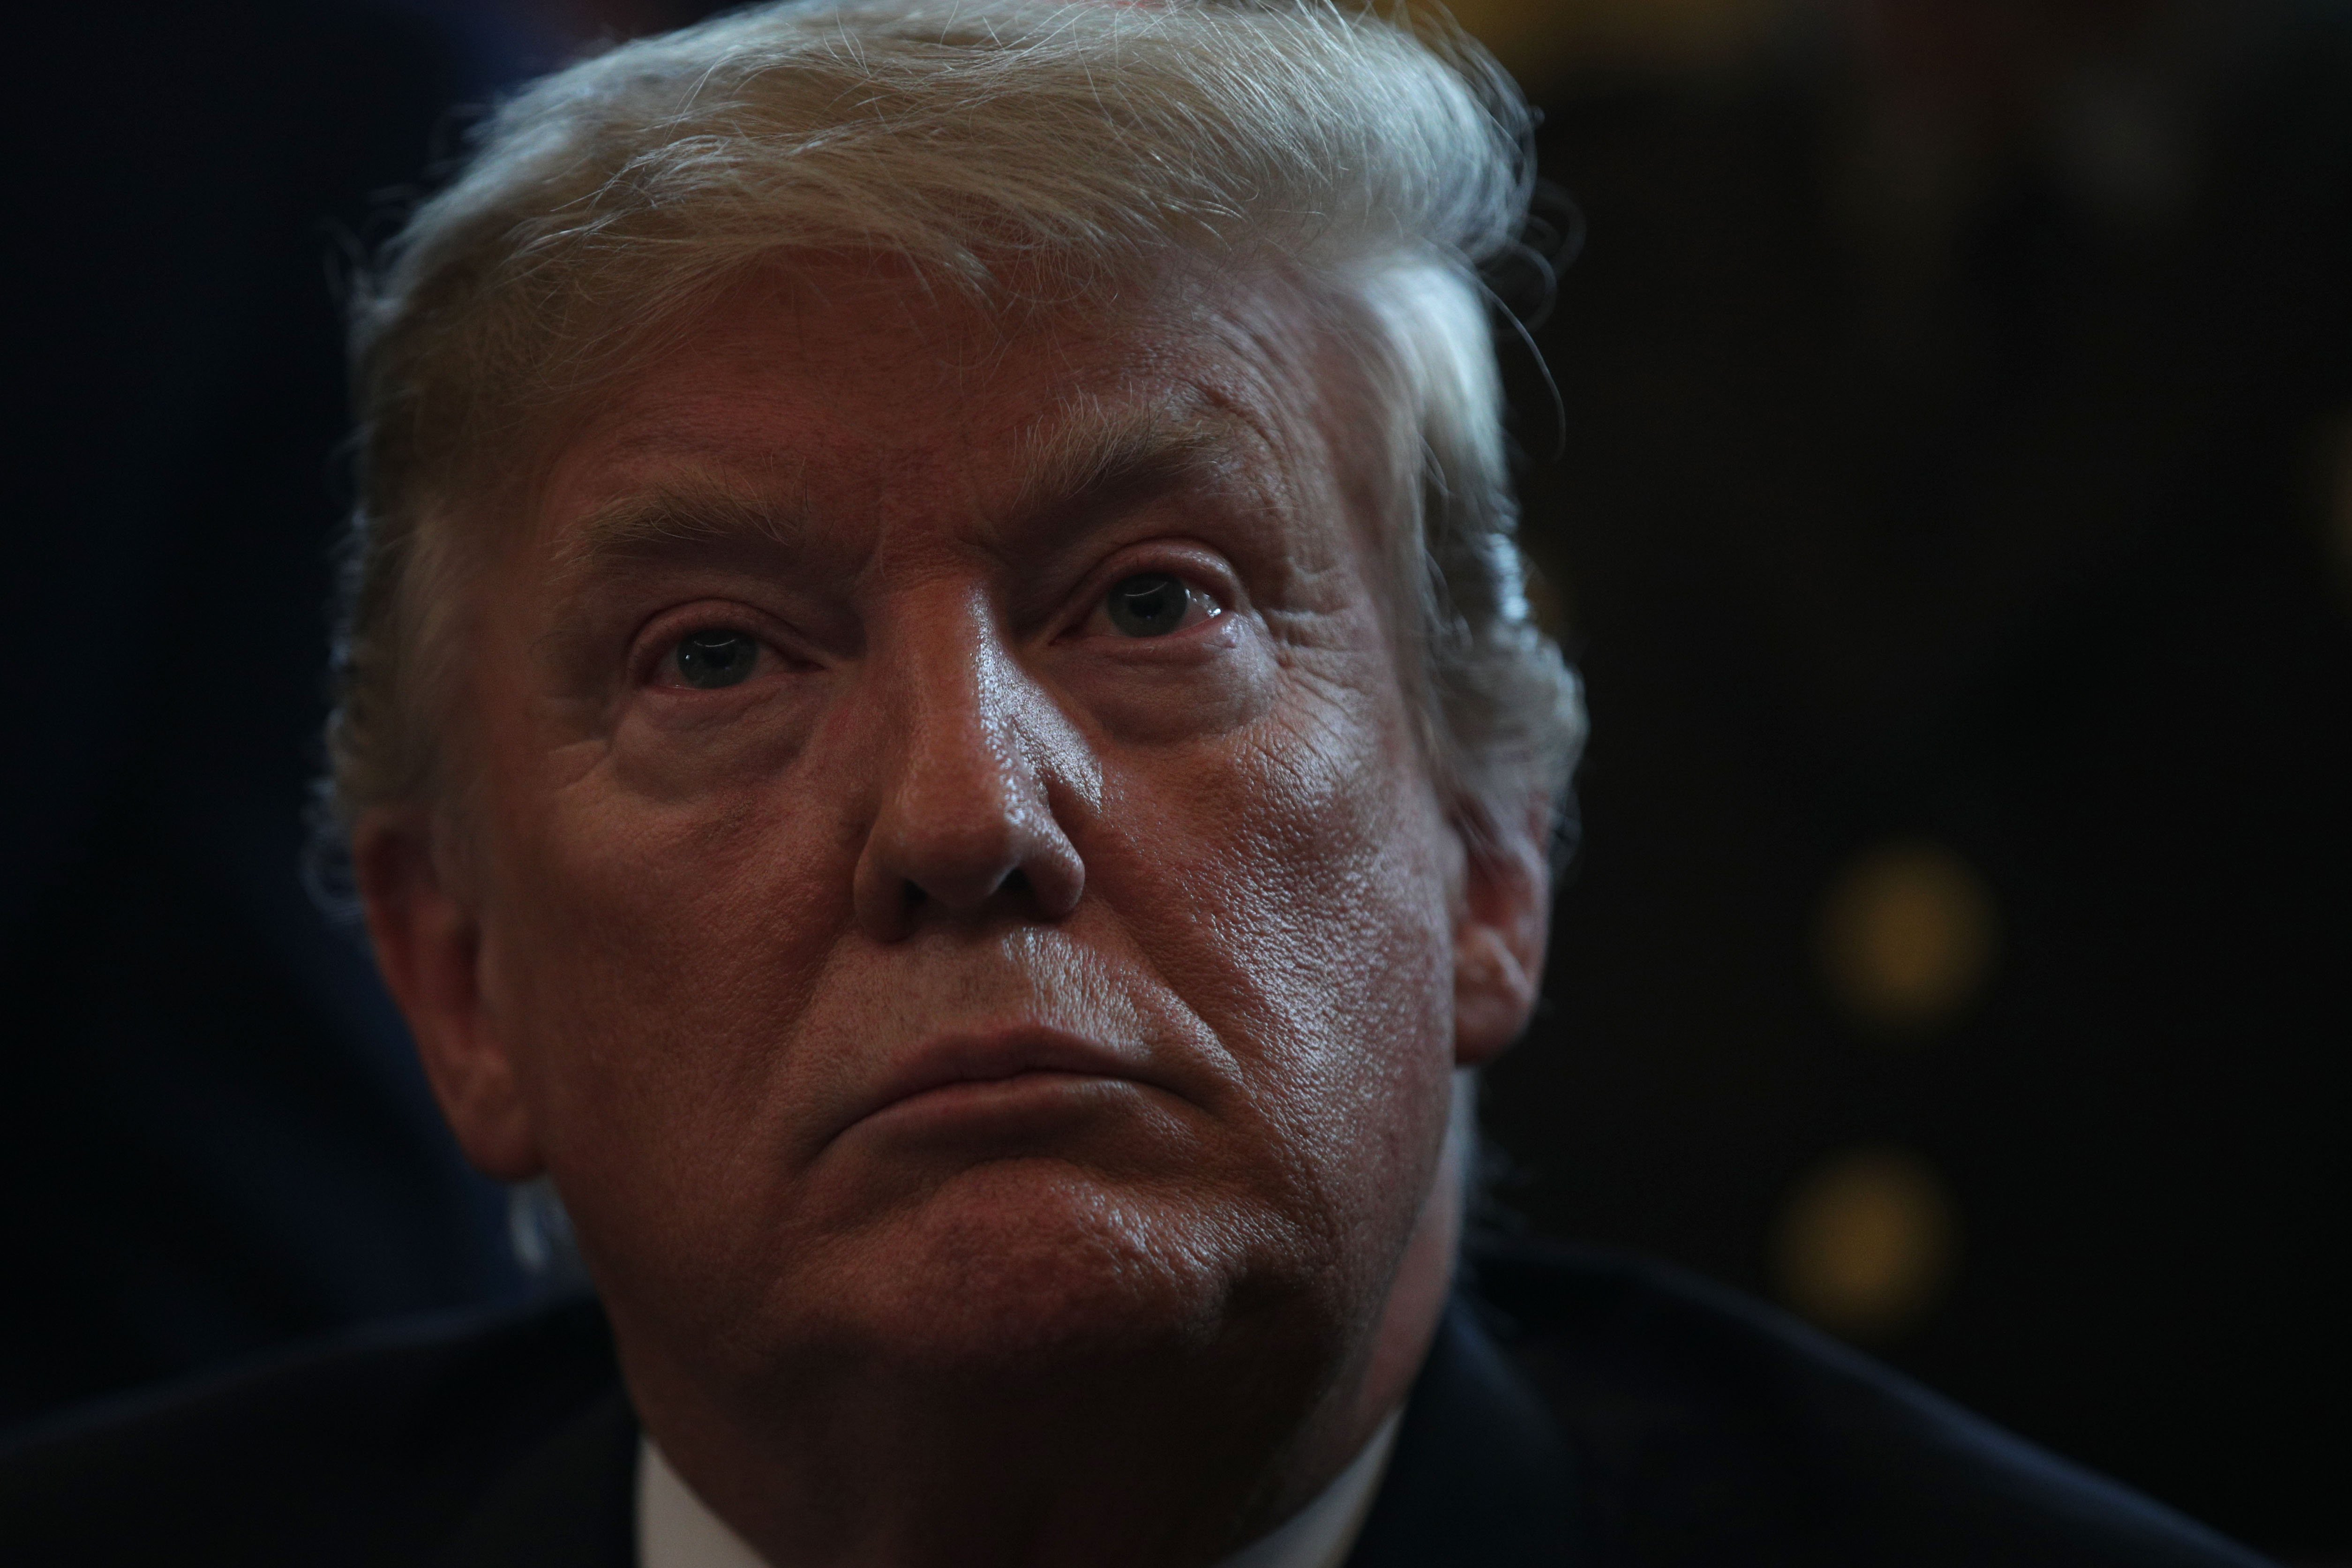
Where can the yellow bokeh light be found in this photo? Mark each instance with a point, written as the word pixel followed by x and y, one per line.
pixel 1907 936
pixel 1866 1242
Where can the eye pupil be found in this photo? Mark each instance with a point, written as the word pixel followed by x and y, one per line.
pixel 714 659
pixel 1150 604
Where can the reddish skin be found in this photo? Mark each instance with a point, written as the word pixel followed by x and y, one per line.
pixel 690 950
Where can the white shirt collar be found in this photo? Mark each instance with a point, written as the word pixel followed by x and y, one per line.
pixel 675 1531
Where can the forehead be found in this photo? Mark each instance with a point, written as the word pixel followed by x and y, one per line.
pixel 810 384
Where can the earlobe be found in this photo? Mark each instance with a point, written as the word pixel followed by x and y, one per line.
pixel 428 944
pixel 1501 925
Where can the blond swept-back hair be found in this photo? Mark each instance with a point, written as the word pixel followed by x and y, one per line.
pixel 1069 141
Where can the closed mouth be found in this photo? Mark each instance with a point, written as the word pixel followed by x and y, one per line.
pixel 998 1069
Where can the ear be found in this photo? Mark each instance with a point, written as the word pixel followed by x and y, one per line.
pixel 1501 923
pixel 428 944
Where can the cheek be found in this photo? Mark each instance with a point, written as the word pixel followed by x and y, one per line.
pixel 1304 916
pixel 1360 924
pixel 648 967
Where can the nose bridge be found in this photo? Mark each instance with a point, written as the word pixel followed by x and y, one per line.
pixel 958 737
pixel 965 814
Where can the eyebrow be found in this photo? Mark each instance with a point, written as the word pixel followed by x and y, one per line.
pixel 672 516
pixel 1095 453
pixel 1070 461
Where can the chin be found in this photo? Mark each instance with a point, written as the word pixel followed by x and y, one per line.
pixel 1032 1268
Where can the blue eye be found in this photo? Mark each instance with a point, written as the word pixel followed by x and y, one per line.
pixel 710 659
pixel 1149 604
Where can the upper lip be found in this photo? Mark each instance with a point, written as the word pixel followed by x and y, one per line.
pixel 980 1056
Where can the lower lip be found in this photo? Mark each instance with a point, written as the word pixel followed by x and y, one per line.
pixel 1002 1104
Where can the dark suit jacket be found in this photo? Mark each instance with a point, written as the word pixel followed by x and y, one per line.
pixel 1576 1409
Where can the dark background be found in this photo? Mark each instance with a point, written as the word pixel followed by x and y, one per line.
pixel 1948 494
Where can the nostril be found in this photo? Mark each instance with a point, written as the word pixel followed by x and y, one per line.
pixel 1016 882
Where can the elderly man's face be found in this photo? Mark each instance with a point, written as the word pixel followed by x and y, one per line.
pixel 950 874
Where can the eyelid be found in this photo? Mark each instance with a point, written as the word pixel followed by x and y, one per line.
pixel 657 642
pixel 1202 570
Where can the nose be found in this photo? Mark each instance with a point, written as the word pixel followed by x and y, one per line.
pixel 979 769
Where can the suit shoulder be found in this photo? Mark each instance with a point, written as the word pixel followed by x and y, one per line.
pixel 1713 1428
pixel 362 1449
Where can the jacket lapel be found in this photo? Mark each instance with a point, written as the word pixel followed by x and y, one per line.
pixel 571 1502
pixel 1481 1477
